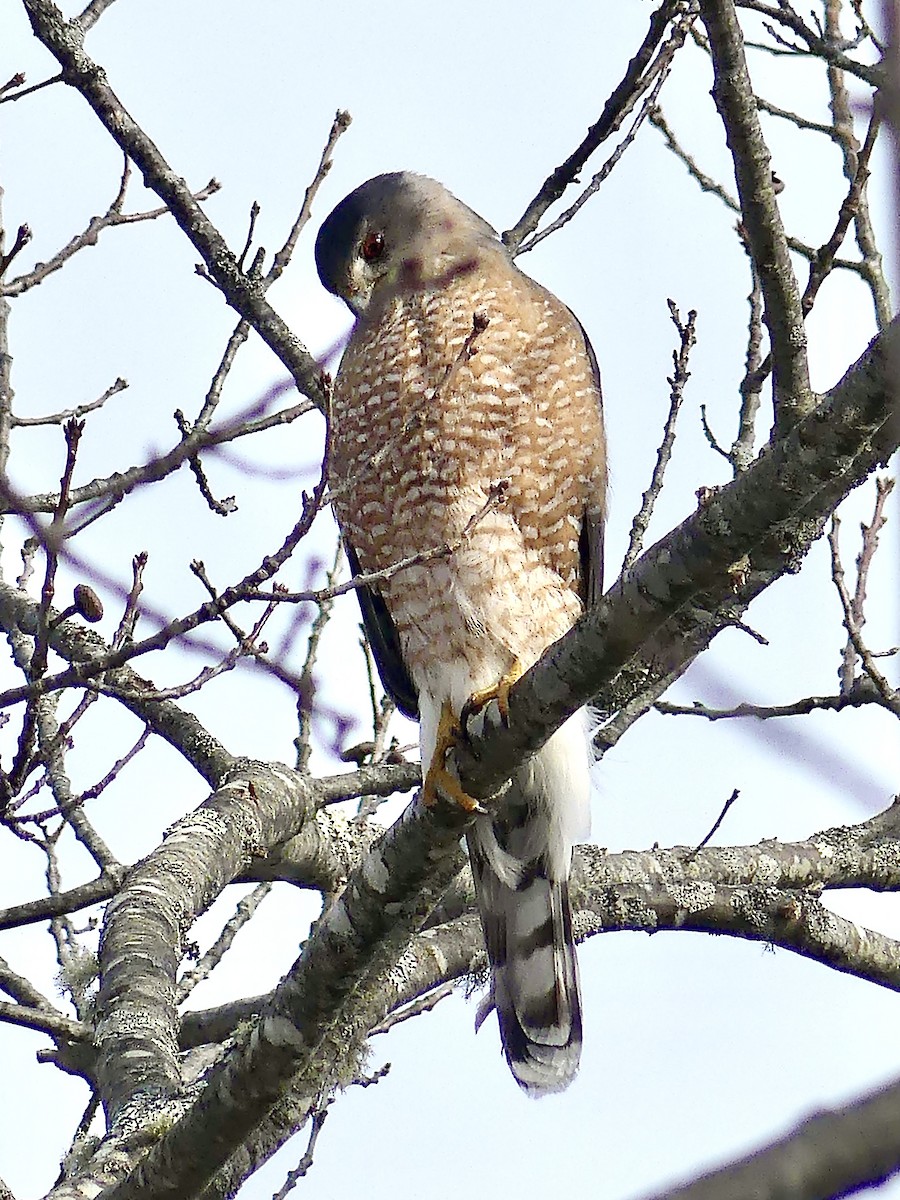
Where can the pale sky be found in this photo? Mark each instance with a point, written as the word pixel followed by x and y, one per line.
pixel 696 1048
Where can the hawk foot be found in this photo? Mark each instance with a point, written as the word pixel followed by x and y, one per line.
pixel 449 734
pixel 499 692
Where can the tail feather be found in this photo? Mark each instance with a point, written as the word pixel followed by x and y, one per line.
pixel 520 864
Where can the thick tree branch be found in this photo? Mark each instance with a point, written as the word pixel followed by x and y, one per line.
pixel 652 624
pixel 53 1023
pixel 765 891
pixel 310 1033
pixel 866 855
pixel 772 512
pixel 302 1034
pixel 796 922
pixel 61 903
pixel 831 1154
pixel 733 94
pixel 137 1040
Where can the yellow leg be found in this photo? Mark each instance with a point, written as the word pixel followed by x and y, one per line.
pixel 448 734
pixel 499 692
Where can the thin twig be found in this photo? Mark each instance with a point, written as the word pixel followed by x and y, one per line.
pixel 23 237
pixel 244 912
pixel 35 664
pixel 677 382
pixel 815 45
pixel 222 508
pixel 125 631
pixel 214 393
pixel 65 41
pixel 15 81
pixel 306 686
pixel 862 692
pixel 317 1119
pixel 716 824
pixel 35 87
pixel 340 125
pixel 422 1005
pixel 797 119
pixel 83 673
pixel 246 647
pixel 115 770
pixel 633 84
pixel 823 263
pixel 496 495
pixel 90 235
pixel 251 227
pixel 110 490
pixel 708 184
pixel 870 534
pixel 890 697
pixel 68 414
pixel 665 61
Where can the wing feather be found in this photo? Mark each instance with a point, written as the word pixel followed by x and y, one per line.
pixel 590 543
pixel 385 642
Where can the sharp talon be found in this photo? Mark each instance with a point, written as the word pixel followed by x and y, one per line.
pixel 449 734
pixel 499 692
pixel 466 713
pixel 440 779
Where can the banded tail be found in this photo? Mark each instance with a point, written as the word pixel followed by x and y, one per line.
pixel 520 864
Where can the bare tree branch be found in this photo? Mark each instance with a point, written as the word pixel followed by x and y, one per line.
pixel 733 94
pixel 831 1154
pixel 770 514
pixel 65 41
pixel 635 82
pixel 91 235
pixel 677 383
pixel 815 44
pixel 35 1018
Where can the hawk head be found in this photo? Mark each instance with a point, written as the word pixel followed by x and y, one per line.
pixel 399 232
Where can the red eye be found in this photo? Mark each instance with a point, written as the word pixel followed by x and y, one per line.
pixel 373 246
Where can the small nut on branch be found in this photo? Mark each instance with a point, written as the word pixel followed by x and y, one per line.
pixel 85 604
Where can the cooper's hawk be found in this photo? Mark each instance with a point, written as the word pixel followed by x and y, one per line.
pixel 467 413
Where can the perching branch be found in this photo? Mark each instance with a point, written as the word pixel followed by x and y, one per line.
pixel 764 512
pixel 651 624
